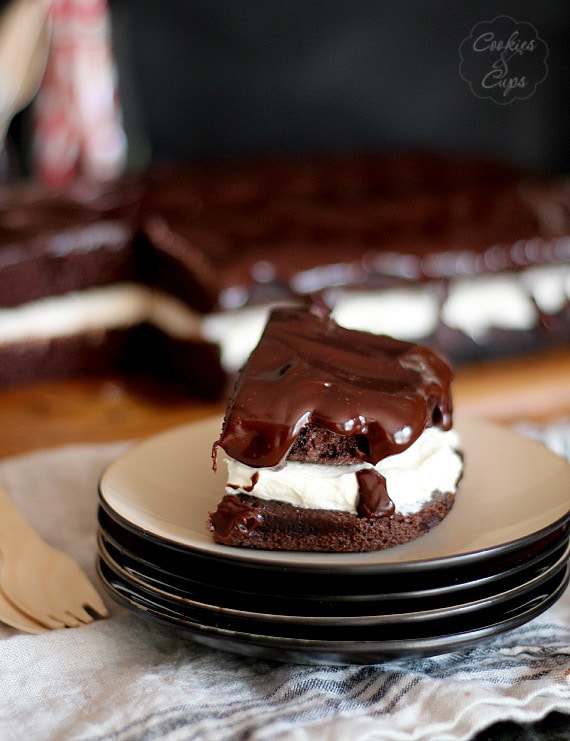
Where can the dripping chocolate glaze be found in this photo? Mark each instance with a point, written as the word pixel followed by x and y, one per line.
pixel 247 489
pixel 373 499
pixel 233 513
pixel 307 369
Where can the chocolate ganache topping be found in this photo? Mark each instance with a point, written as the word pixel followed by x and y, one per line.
pixel 307 369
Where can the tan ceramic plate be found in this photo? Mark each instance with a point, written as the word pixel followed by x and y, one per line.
pixel 513 489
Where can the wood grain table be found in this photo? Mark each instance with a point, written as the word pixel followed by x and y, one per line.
pixel 115 408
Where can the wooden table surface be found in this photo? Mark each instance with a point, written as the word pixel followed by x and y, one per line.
pixel 99 410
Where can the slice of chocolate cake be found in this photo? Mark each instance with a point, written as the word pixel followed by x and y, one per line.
pixel 336 440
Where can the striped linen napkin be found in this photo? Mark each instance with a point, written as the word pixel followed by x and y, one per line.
pixel 126 678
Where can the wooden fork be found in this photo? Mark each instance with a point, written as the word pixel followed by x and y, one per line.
pixel 10 615
pixel 41 581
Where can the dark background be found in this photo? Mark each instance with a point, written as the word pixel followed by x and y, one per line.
pixel 212 79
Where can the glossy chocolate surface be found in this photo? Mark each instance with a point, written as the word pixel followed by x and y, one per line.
pixel 307 369
pixel 233 513
pixel 373 499
pixel 247 232
pixel 286 227
pixel 252 230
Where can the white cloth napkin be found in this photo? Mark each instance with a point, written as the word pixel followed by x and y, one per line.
pixel 126 678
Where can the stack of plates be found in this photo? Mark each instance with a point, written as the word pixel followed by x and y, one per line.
pixel 499 559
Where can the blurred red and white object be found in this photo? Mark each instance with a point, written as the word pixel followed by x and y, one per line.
pixel 78 128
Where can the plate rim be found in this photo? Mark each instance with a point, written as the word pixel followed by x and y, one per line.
pixel 548 551
pixel 494 600
pixel 357 649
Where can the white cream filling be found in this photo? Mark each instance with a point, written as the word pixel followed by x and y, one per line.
pixel 549 285
pixel 109 307
pixel 237 332
pixel 474 305
pixel 406 313
pixel 430 464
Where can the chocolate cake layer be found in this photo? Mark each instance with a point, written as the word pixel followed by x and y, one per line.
pixel 272 525
pixel 192 367
pixel 316 444
pixel 70 260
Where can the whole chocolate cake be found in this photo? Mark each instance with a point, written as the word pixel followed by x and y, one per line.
pixel 336 440
pixel 174 271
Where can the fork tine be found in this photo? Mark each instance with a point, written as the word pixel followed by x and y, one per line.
pixel 93 603
pixel 81 603
pixel 70 620
pixel 49 621
pixel 82 615
pixel 86 603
